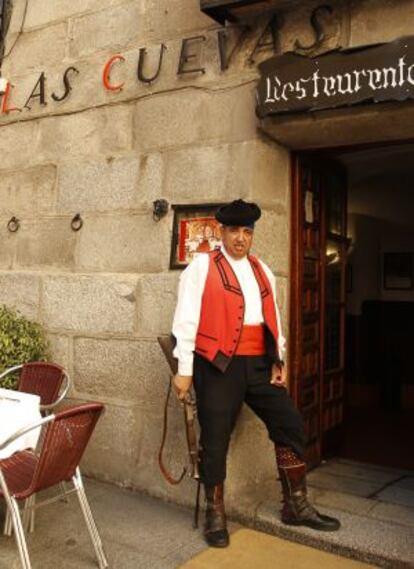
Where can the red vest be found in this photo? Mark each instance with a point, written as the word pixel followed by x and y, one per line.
pixel 222 312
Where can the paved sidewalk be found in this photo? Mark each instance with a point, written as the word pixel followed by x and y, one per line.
pixel 138 532
pixel 144 533
pixel 375 506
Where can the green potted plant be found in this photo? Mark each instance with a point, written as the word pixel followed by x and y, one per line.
pixel 21 341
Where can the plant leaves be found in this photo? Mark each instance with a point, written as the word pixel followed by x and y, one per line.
pixel 21 341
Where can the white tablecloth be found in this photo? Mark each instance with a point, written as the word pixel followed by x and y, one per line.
pixel 18 410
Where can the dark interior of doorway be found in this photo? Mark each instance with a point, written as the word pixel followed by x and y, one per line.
pixel 378 424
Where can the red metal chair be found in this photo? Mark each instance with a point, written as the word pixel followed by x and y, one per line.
pixel 44 379
pixel 62 444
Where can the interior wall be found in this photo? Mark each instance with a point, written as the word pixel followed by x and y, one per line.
pixel 380 220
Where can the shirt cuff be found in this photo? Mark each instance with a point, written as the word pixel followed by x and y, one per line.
pixel 185 368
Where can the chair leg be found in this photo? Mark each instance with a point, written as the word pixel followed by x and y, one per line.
pixel 26 514
pixel 90 522
pixel 93 530
pixel 19 535
pixel 29 514
pixel 63 490
pixel 32 514
pixel 13 508
pixel 7 531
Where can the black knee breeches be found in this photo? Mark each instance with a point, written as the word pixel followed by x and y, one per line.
pixel 219 400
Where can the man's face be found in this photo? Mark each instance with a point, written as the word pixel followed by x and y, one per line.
pixel 237 240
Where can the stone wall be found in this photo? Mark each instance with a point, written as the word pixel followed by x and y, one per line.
pixel 106 292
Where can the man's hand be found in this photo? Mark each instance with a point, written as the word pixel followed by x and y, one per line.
pixel 278 377
pixel 182 385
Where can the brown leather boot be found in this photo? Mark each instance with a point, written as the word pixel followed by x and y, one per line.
pixel 215 529
pixel 297 511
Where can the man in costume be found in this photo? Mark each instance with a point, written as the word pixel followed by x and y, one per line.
pixel 230 347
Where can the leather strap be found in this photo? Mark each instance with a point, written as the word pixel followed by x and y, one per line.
pixel 168 477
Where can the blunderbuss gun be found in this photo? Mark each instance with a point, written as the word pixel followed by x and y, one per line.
pixel 190 413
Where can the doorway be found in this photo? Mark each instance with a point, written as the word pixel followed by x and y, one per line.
pixel 352 302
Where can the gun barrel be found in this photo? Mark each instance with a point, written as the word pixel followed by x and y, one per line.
pixel 167 345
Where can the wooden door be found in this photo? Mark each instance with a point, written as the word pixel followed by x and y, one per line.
pixel 317 329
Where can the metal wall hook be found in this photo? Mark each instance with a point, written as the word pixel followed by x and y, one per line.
pixel 77 222
pixel 13 224
pixel 160 209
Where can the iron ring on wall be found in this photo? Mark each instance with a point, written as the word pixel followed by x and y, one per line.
pixel 13 224
pixel 77 222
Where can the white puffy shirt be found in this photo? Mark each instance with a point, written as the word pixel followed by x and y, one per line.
pixel 190 292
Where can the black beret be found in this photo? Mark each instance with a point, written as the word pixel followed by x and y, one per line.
pixel 239 213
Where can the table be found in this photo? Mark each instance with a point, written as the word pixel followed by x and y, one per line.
pixel 18 410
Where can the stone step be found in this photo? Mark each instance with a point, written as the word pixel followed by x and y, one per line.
pixel 373 538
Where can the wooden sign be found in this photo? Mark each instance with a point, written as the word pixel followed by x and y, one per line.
pixel 293 83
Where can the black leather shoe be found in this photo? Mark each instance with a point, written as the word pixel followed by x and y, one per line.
pixel 297 511
pixel 215 528
pixel 218 538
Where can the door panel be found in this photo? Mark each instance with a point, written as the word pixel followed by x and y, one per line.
pixel 318 300
pixel 306 300
pixel 335 239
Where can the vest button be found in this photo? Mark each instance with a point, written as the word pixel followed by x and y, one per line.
pixel 239 317
pixel 237 329
pixel 234 341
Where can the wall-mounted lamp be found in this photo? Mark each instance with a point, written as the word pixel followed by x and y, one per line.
pixel 350 245
pixel 160 209
pixel 332 258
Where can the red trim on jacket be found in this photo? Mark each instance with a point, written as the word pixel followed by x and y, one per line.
pixel 222 312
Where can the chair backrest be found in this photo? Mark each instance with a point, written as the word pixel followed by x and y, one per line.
pixel 64 443
pixel 43 379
